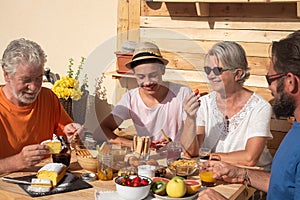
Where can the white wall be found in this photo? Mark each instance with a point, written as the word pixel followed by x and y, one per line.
pixel 64 28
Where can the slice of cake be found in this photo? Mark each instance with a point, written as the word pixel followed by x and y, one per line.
pixel 53 145
pixel 40 185
pixel 52 171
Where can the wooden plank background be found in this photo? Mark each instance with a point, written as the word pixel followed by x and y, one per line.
pixel 185 31
pixel 184 37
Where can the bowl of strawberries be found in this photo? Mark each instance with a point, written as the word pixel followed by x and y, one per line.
pixel 133 187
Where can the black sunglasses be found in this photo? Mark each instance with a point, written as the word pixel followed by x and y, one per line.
pixel 273 77
pixel 216 70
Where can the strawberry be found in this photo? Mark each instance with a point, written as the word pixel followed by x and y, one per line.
pixel 136 179
pixel 135 184
pixel 127 182
pixel 144 182
pixel 196 92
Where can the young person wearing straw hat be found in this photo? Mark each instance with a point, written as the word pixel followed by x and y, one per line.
pixel 153 106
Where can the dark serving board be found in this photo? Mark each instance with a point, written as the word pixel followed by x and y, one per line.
pixel 69 183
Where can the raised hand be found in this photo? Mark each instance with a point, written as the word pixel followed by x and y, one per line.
pixel 192 103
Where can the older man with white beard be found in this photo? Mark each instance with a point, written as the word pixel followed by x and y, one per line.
pixel 29 113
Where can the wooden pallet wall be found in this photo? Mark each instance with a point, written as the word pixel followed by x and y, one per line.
pixel 186 29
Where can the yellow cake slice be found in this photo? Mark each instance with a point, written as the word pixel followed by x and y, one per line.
pixel 52 171
pixel 53 145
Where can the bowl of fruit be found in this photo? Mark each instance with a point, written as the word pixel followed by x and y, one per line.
pixel 176 188
pixel 133 187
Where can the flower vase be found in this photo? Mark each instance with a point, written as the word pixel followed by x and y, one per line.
pixel 79 108
pixel 67 104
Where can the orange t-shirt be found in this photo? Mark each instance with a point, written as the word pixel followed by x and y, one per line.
pixel 32 124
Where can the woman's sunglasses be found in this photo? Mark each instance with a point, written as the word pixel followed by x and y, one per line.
pixel 273 77
pixel 216 70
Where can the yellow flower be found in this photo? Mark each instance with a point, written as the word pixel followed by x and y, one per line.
pixel 67 87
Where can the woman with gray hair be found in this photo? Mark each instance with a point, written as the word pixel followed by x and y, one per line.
pixel 232 121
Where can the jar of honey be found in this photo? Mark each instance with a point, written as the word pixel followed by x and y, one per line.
pixel 104 168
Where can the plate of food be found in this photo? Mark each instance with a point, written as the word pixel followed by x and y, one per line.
pixel 190 197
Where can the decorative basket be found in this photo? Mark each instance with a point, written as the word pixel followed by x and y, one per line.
pixel 67 104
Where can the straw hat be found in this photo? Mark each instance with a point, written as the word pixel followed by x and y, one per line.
pixel 145 51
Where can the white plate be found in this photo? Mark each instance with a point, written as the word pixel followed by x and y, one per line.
pixel 182 198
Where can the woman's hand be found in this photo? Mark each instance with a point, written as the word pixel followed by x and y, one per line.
pixel 191 104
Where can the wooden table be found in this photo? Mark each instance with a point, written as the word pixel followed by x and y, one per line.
pixel 13 191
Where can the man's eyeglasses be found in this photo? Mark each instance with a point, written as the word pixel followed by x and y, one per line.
pixel 216 70
pixel 273 77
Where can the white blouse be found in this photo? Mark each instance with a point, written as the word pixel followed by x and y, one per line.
pixel 228 135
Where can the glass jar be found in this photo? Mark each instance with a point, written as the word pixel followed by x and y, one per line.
pixel 104 168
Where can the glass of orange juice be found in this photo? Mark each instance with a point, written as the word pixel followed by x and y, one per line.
pixel 207 179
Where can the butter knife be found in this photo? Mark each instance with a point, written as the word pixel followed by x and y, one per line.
pixel 12 180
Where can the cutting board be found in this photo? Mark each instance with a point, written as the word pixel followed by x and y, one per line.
pixel 69 183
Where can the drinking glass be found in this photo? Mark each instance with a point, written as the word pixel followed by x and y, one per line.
pixel 173 151
pixel 204 154
pixel 63 158
pixel 207 179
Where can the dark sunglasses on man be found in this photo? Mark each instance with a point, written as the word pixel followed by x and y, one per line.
pixel 273 77
pixel 216 70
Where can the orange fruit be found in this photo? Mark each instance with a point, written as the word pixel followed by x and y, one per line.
pixel 192 186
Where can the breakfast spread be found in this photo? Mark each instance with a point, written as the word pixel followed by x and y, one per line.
pixel 49 176
pixel 52 171
pixel 53 145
